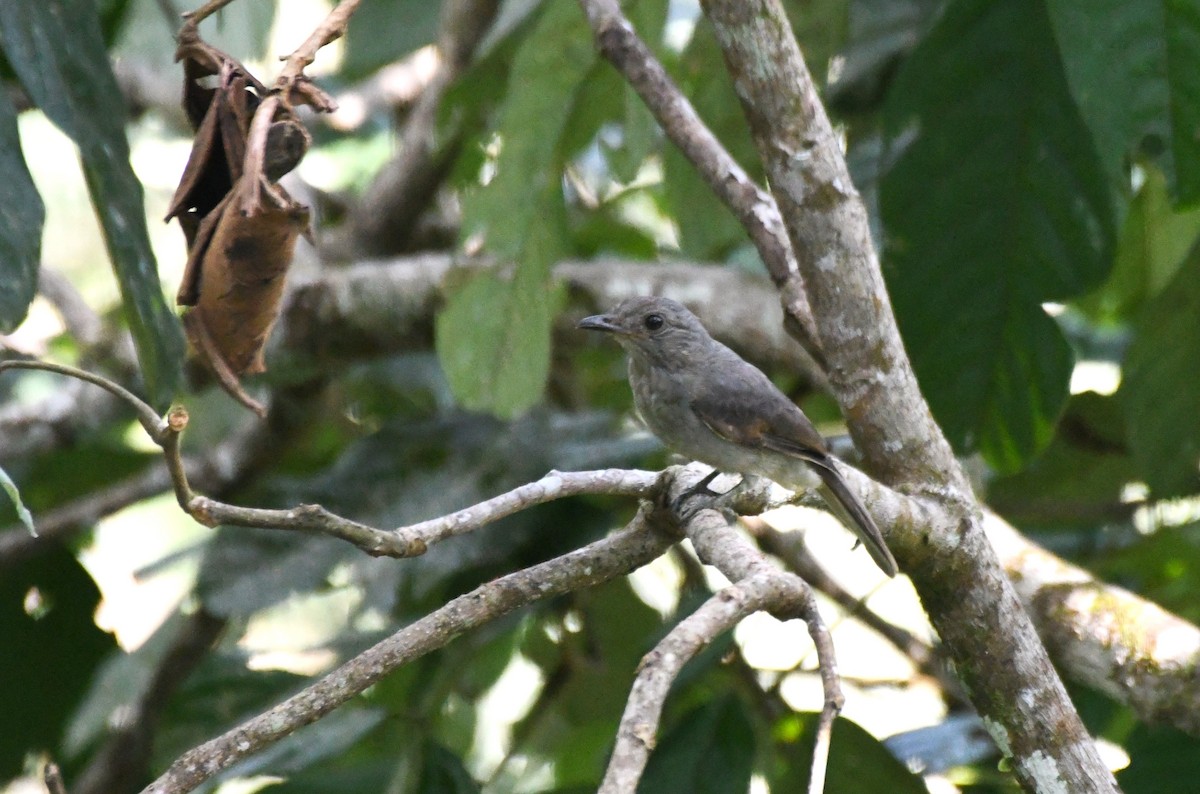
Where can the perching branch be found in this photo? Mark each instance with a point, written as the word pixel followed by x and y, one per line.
pixel 969 599
pixel 403 542
pixel 598 562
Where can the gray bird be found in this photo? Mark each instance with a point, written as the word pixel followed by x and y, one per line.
pixel 707 403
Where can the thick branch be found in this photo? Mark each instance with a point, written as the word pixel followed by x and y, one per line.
pixel 970 601
pixel 593 564
pixel 1106 637
pixel 380 307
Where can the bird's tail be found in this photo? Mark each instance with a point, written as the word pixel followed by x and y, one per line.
pixel 852 513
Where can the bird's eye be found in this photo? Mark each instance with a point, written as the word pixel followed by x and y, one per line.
pixel 654 321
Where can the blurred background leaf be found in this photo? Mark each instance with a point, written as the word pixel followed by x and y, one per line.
pixel 20 225
pixel 995 205
pixel 1134 72
pixel 59 55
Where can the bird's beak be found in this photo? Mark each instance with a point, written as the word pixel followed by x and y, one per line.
pixel 600 322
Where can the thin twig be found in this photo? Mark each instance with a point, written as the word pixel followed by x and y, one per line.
pixel 331 28
pixel 147 416
pixel 593 564
pixel 403 542
pixel 291 87
pixel 555 485
pixel 830 684
pixel 754 207
pixel 194 18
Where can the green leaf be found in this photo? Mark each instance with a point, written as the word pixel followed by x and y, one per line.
pixel 1134 71
pixel 710 751
pixel 1154 241
pixel 57 51
pixel 1078 478
pixel 707 229
pixel 21 218
pixel 997 206
pixel 1160 390
pixel 443 772
pixel 410 24
pixel 493 337
pixel 23 513
pixel 857 760
pixel 51 649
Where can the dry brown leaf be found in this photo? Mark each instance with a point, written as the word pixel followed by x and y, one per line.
pixel 241 238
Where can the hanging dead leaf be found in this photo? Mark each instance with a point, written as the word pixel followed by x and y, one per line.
pixel 235 278
pixel 241 227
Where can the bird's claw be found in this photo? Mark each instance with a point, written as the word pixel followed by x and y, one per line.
pixel 719 501
pixel 699 489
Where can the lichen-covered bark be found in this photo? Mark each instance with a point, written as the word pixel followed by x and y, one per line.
pixel 1132 650
pixel 964 590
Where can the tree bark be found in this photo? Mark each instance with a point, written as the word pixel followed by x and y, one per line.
pixel 968 598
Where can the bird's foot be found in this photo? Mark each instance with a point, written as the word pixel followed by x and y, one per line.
pixel 717 501
pixel 699 489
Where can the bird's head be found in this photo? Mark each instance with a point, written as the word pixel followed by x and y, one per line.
pixel 658 330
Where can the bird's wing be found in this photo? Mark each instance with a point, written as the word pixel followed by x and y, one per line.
pixel 743 406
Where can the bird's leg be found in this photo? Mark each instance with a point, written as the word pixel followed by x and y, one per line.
pixel 747 483
pixel 720 500
pixel 697 489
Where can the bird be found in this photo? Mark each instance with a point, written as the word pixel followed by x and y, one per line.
pixel 709 404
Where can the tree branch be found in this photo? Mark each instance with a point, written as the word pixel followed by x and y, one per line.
pixel 970 601
pixel 1104 636
pixel 717 544
pixel 598 562
pixel 383 219
pixel 402 542
pixel 380 307
pixel 754 207
pixel 661 666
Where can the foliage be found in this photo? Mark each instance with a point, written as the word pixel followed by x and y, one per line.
pixel 75 87
pixel 1037 178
